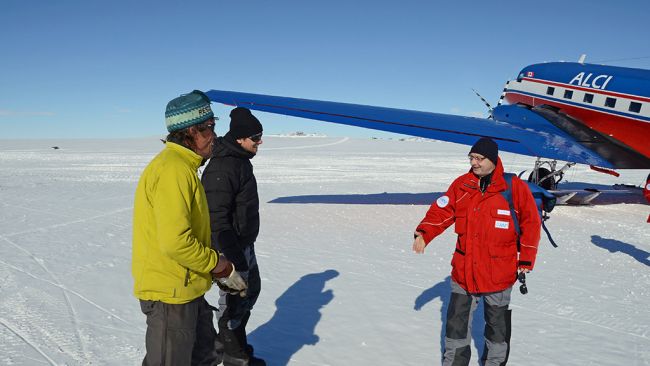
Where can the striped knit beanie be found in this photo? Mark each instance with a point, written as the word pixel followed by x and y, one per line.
pixel 187 110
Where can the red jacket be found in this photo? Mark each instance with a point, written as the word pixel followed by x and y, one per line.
pixel 486 257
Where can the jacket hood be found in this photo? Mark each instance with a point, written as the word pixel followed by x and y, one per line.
pixel 227 146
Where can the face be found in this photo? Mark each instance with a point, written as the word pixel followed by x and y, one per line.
pixel 481 166
pixel 203 136
pixel 251 143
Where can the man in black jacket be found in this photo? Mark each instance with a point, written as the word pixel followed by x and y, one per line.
pixel 231 191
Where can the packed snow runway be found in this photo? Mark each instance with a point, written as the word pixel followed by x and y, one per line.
pixel 340 285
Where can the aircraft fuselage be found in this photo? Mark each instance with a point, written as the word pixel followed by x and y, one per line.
pixel 614 101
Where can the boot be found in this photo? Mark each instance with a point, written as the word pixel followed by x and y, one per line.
pixel 229 360
pixel 254 361
pixel 234 354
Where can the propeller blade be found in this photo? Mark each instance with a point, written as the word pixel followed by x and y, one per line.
pixel 503 93
pixel 484 101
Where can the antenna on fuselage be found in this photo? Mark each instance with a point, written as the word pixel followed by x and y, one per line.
pixel 582 58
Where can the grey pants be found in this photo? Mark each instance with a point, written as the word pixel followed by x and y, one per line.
pixel 459 322
pixel 180 334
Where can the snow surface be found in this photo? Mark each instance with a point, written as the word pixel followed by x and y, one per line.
pixel 340 285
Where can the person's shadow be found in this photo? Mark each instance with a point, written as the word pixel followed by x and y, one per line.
pixel 618 246
pixel 294 322
pixel 442 290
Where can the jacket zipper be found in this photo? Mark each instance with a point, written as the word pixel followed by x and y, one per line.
pixel 187 277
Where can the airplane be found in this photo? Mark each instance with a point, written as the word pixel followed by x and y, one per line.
pixel 574 112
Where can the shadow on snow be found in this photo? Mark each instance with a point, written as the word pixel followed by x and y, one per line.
pixel 618 246
pixel 442 290
pixel 294 322
pixel 608 196
pixel 365 199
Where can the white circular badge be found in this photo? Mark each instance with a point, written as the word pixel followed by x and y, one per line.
pixel 648 187
pixel 442 202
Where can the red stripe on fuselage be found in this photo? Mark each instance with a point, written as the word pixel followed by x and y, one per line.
pixel 631 132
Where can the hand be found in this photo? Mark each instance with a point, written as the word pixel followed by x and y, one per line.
pixel 233 284
pixel 418 243
pixel 525 270
pixel 227 278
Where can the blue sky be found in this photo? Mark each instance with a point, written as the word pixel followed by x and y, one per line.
pixel 107 68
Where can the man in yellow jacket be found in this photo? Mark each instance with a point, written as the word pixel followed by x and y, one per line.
pixel 173 264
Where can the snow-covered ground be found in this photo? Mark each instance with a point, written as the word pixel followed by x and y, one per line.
pixel 340 285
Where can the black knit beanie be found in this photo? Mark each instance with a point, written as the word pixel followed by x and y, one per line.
pixel 243 124
pixel 486 147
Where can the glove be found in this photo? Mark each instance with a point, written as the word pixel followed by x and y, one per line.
pixel 233 283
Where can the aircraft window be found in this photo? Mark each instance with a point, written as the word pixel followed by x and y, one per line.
pixel 550 90
pixel 635 107
pixel 610 102
pixel 568 94
pixel 589 98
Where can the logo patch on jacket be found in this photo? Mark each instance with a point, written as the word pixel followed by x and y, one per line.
pixel 503 212
pixel 442 202
pixel 501 224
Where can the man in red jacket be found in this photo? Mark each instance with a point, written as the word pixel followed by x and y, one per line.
pixel 487 260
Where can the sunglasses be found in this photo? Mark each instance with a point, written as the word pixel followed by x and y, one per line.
pixel 208 125
pixel 256 137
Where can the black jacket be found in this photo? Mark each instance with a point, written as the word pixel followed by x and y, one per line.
pixel 231 191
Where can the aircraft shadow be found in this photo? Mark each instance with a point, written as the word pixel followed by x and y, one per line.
pixel 294 322
pixel 365 199
pixel 609 196
pixel 618 246
pixel 442 290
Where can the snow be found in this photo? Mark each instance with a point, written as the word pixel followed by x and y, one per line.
pixel 340 284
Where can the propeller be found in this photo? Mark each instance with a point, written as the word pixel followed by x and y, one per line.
pixel 487 104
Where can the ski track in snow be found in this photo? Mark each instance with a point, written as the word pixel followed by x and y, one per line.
pixel 78 221
pixel 71 310
pixel 82 297
pixel 26 340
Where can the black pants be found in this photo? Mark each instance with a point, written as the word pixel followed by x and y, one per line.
pixel 235 312
pixel 180 334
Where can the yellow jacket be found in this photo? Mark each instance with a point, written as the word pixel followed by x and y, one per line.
pixel 172 258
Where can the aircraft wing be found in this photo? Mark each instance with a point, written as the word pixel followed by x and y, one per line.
pixel 525 132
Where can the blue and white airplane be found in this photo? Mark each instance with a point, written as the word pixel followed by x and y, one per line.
pixel 574 112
